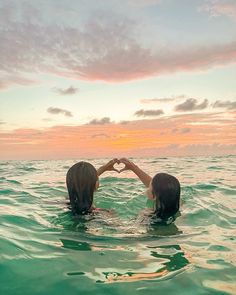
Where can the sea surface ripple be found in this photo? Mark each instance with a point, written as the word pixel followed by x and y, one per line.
pixel 44 250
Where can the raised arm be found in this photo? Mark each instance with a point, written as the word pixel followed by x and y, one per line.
pixel 109 166
pixel 143 176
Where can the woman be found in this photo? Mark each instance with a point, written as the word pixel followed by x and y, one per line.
pixel 163 188
pixel 82 180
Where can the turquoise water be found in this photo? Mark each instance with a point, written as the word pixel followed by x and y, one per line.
pixel 45 251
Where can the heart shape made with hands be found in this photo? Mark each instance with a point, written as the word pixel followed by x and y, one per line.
pixel 119 166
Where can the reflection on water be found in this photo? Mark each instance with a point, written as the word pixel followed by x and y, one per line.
pixel 162 263
pixel 169 260
pixel 80 246
pixel 154 262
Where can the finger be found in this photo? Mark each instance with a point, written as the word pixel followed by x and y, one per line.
pixel 123 160
pixel 124 169
pixel 125 163
pixel 116 170
pixel 111 163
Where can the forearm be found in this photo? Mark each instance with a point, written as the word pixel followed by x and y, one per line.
pixel 101 170
pixel 143 176
pixel 108 167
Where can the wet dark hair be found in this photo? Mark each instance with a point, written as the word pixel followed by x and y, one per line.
pixel 81 181
pixel 166 189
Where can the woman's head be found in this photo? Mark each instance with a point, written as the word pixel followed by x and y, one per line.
pixel 81 181
pixel 166 190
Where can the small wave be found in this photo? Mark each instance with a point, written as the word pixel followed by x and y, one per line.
pixel 8 192
pixel 205 186
pixel 228 191
pixel 28 169
pixel 13 181
pixel 215 168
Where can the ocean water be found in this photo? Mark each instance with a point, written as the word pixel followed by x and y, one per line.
pixel 44 250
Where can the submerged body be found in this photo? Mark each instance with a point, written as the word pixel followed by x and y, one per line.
pixel 82 181
pixel 163 189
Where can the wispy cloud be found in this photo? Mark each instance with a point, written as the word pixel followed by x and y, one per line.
pixel 185 130
pixel 124 122
pixel 100 135
pixel 135 62
pixel 220 8
pixel 103 121
pixel 230 105
pixel 66 91
pixel 191 104
pixel 8 79
pixel 106 47
pixel 47 119
pixel 161 99
pixel 56 111
pixel 149 113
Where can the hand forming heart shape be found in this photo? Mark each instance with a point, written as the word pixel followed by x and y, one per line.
pixel 119 167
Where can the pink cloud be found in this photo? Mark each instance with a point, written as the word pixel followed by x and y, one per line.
pixel 120 64
pixel 11 79
pixel 105 48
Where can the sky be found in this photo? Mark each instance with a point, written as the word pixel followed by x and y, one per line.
pixel 114 78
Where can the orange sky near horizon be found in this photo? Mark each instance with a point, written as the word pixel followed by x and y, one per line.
pixel 180 135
